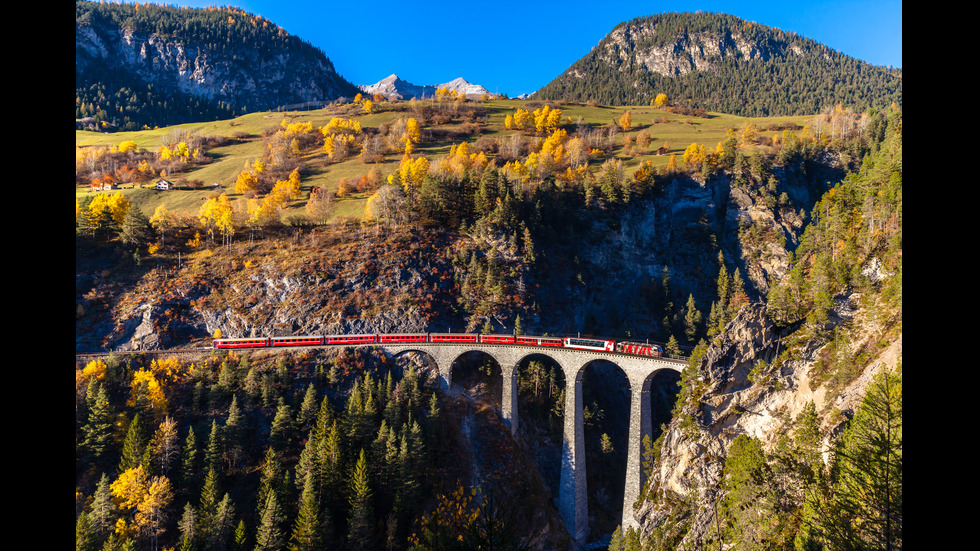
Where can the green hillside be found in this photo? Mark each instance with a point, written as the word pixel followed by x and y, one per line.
pixel 244 140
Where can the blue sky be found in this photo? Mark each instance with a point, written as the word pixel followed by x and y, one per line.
pixel 515 47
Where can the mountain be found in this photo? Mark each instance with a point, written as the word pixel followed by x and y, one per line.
pixel 136 64
pixel 722 63
pixel 460 85
pixel 394 87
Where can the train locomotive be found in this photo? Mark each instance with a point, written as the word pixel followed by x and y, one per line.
pixel 577 343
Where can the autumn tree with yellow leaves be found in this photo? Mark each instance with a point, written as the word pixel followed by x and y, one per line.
pixel 103 217
pixel 412 173
pixel 216 215
pixel 146 499
pixel 626 121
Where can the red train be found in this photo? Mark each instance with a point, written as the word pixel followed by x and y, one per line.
pixel 578 343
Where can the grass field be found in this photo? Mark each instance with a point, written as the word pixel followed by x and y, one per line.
pixel 678 131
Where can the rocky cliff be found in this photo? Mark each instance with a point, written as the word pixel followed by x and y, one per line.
pixel 733 397
pixel 222 56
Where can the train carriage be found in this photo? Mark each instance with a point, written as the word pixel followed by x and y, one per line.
pixel 498 339
pixel 247 342
pixel 303 340
pixel 351 339
pixel 539 341
pixel 589 344
pixel 639 349
pixel 454 337
pixel 404 337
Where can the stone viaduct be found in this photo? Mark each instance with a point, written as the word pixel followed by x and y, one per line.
pixel 572 500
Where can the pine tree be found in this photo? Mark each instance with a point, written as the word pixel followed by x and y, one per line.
pixel 98 427
pixel 222 522
pixel 692 319
pixel 407 493
pixel 189 470
pixel 133 446
pixel 270 479
pixel 207 505
pixel 214 452
pixel 744 477
pixel 269 535
pixel 331 462
pixel 723 283
pixel 282 427
pixel 234 432
pixel 308 531
pixel 241 535
pixel 866 509
pixel 102 514
pixel 360 535
pixel 187 525
pixel 84 537
pixel 136 229
pixel 308 409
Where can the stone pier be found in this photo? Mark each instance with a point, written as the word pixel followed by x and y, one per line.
pixel 572 500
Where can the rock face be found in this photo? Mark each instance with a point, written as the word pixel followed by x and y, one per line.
pixel 730 403
pixel 695 50
pixel 233 72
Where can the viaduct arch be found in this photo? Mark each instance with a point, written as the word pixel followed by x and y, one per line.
pixel 572 500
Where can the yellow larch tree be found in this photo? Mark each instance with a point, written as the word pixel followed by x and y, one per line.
pixel 128 145
pixel 217 215
pixel 546 119
pixel 246 182
pixel 145 387
pixel 114 204
pixel 626 121
pixel 412 173
pixel 521 119
pixel 412 135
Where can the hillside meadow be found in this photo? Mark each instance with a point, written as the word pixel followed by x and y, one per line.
pixel 245 144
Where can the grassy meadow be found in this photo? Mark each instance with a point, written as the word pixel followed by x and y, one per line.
pixel 675 130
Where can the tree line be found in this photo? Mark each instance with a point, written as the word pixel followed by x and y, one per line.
pixel 249 452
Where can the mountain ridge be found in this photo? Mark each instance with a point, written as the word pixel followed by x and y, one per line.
pixel 394 87
pixel 134 64
pixel 722 63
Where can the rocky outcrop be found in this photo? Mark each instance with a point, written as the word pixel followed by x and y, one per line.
pixel 731 400
pixel 234 73
pixel 697 51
